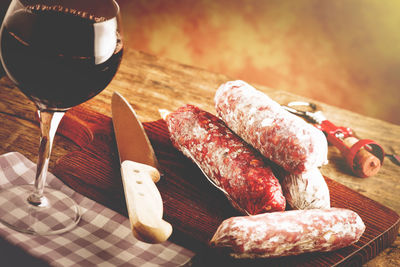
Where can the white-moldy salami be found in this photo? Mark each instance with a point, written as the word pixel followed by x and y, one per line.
pixel 307 190
pixel 280 136
pixel 226 159
pixel 288 233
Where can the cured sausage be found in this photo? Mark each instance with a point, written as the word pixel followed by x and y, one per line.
pixel 280 136
pixel 231 163
pixel 307 190
pixel 287 233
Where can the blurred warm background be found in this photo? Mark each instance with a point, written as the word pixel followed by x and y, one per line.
pixel 344 53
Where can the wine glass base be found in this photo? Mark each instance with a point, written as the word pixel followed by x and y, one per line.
pixel 60 214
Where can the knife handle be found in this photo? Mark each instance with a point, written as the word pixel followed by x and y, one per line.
pixel 144 203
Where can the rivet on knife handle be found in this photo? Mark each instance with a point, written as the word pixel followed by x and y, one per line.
pixel 144 202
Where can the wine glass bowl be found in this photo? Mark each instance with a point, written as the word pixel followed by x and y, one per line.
pixel 59 53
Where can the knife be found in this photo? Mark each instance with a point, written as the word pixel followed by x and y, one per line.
pixel 139 174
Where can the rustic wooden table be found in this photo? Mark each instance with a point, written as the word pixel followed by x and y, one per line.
pixel 151 83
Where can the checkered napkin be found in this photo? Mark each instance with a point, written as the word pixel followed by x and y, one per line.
pixel 102 237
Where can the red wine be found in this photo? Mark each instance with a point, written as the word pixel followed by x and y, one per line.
pixel 57 57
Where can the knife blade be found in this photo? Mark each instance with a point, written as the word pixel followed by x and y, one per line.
pixel 139 174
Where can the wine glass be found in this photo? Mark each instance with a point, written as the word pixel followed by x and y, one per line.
pixel 59 53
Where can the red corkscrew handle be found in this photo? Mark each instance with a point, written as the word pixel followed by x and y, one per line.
pixel 364 156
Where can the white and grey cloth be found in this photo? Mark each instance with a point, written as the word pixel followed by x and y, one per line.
pixel 102 237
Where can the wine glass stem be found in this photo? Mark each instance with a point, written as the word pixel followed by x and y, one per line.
pixel 49 121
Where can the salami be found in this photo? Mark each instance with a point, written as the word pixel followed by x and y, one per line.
pixel 226 159
pixel 288 233
pixel 279 135
pixel 307 190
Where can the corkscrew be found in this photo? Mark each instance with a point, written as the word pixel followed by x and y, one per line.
pixel 363 156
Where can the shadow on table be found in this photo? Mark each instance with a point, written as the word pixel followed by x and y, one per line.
pixel 11 255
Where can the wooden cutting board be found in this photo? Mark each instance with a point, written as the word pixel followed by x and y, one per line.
pixel 193 206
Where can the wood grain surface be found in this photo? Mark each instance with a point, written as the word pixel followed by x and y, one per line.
pixel 192 205
pixel 150 83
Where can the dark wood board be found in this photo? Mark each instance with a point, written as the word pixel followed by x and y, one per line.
pixel 193 206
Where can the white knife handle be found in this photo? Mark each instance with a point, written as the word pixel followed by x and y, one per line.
pixel 144 202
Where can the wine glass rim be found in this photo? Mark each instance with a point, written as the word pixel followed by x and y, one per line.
pixel 116 6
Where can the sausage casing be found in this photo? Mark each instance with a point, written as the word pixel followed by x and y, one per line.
pixel 231 163
pixel 280 136
pixel 288 233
